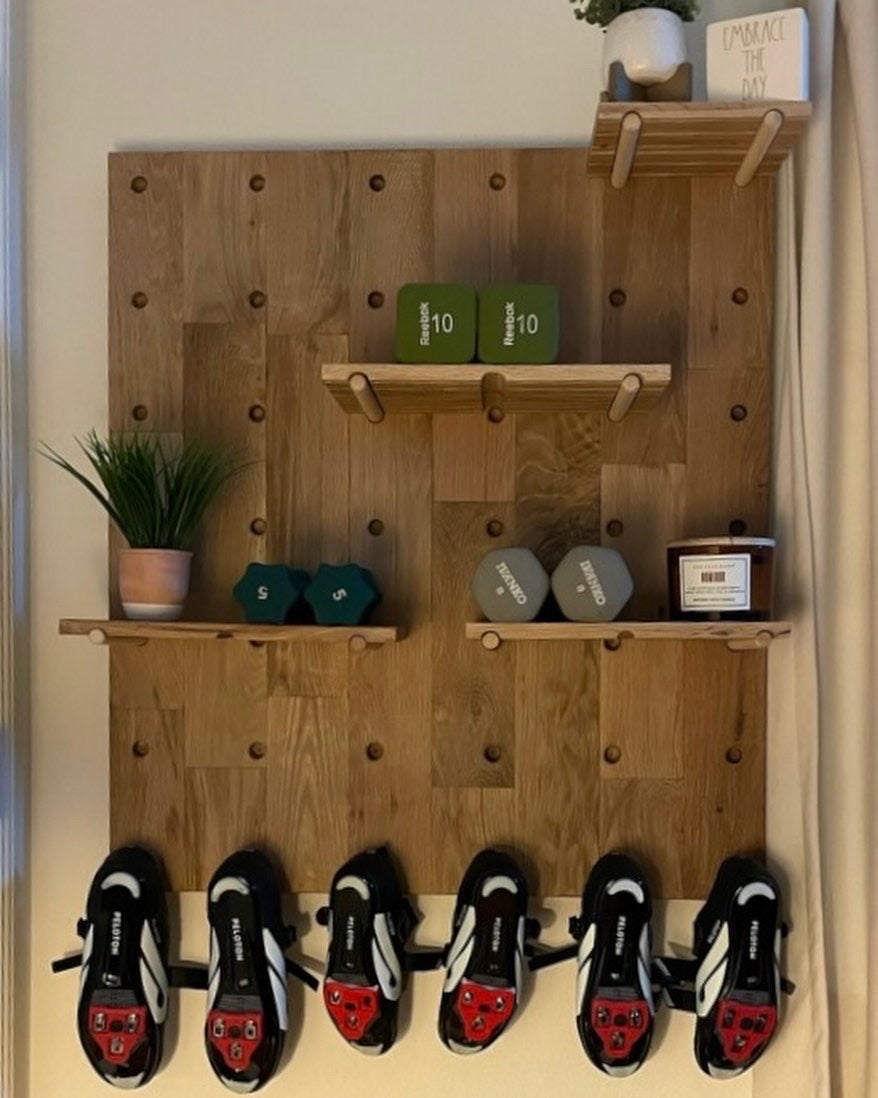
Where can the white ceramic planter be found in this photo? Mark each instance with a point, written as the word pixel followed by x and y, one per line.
pixel 649 42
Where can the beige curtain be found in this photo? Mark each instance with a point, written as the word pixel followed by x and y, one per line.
pixel 822 756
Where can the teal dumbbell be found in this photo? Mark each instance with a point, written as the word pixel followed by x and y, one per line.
pixel 518 323
pixel 435 322
pixel 342 594
pixel 267 593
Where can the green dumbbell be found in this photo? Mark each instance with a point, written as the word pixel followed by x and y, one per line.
pixel 435 322
pixel 342 594
pixel 518 323
pixel 268 593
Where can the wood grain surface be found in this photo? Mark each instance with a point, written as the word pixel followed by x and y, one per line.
pixel 259 269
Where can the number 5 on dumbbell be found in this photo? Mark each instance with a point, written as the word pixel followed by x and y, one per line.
pixel 342 594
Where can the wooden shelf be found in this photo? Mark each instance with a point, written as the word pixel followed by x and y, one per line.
pixel 104 632
pixel 737 139
pixel 737 635
pixel 376 389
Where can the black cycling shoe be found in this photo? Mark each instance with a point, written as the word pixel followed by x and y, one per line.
pixel 123 988
pixel 247 975
pixel 737 985
pixel 614 1001
pixel 485 958
pixel 369 922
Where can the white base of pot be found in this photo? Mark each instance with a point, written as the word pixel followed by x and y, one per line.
pixel 152 611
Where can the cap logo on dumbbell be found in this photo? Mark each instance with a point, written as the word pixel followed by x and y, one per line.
pixel 511 582
pixel 594 584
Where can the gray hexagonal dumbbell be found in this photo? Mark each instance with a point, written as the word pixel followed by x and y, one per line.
pixel 510 585
pixel 592 583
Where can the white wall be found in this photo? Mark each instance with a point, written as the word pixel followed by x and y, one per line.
pixel 116 74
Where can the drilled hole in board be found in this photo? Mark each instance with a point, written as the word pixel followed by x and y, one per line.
pixel 612 754
pixel 256 644
pixel 139 184
pixel 257 182
pixel 377 182
pixel 257 750
pixel 375 527
pixel 617 298
pixel 497 181
pixel 140 748
pixel 258 526
pixel 614 528
pixel 737 527
pixel 140 412
pixel 257 412
pixel 738 412
pixel 493 753
pixel 734 755
pixel 375 299
pixel 494 528
pixel 740 295
pixel 612 644
pixel 374 750
pixel 495 414
pixel 139 300
pixel 257 299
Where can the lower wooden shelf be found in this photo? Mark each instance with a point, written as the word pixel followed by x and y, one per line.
pixel 103 632
pixel 737 635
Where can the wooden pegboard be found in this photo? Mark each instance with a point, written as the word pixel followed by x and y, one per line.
pixel 257 268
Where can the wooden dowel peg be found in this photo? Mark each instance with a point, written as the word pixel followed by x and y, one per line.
pixel 97 636
pixel 770 127
pixel 626 149
pixel 100 636
pixel 358 643
pixel 494 396
pixel 366 397
pixel 491 640
pixel 746 644
pixel 625 397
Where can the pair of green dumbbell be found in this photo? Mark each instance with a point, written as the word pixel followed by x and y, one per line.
pixel 438 322
pixel 338 594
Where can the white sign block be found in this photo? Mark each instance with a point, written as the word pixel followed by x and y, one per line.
pixel 759 57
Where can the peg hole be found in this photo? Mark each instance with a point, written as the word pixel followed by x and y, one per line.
pixel 494 528
pixel 612 644
pixel 618 298
pixel 257 750
pixel 139 300
pixel 614 528
pixel 257 182
pixel 375 299
pixel 497 181
pixel 493 753
pixel 734 755
pixel 140 748
pixel 375 527
pixel 257 299
pixel 140 412
pixel 258 526
pixel 374 751
pixel 738 412
pixel 377 182
pixel 740 295
pixel 256 412
pixel 495 414
pixel 612 754
pixel 139 184
pixel 737 527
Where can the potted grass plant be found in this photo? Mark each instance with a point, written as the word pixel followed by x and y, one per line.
pixel 156 497
pixel 644 36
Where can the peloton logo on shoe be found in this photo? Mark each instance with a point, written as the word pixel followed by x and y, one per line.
pixel 115 933
pixel 594 584
pixel 754 939
pixel 495 935
pixel 512 583
pixel 620 935
pixel 237 940
pixel 349 928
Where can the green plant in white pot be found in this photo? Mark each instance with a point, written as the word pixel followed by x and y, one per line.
pixel 157 498
pixel 644 36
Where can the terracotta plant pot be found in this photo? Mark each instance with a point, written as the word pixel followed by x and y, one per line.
pixel 153 583
pixel 649 42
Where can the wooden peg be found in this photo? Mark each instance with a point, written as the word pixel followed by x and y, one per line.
pixel 625 397
pixel 746 644
pixel 491 640
pixel 366 397
pixel 358 643
pixel 494 396
pixel 626 149
pixel 771 123
pixel 100 636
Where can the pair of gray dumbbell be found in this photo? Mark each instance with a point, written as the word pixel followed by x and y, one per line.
pixel 591 583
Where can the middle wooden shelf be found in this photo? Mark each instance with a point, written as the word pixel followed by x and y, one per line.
pixel 377 389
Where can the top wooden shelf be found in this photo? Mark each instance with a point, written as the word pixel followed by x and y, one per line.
pixel 379 388
pixel 100 631
pixel 737 139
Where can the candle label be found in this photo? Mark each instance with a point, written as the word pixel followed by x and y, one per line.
pixel 711 582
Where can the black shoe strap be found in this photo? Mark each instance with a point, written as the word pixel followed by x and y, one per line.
pixel 302 974
pixel 548 957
